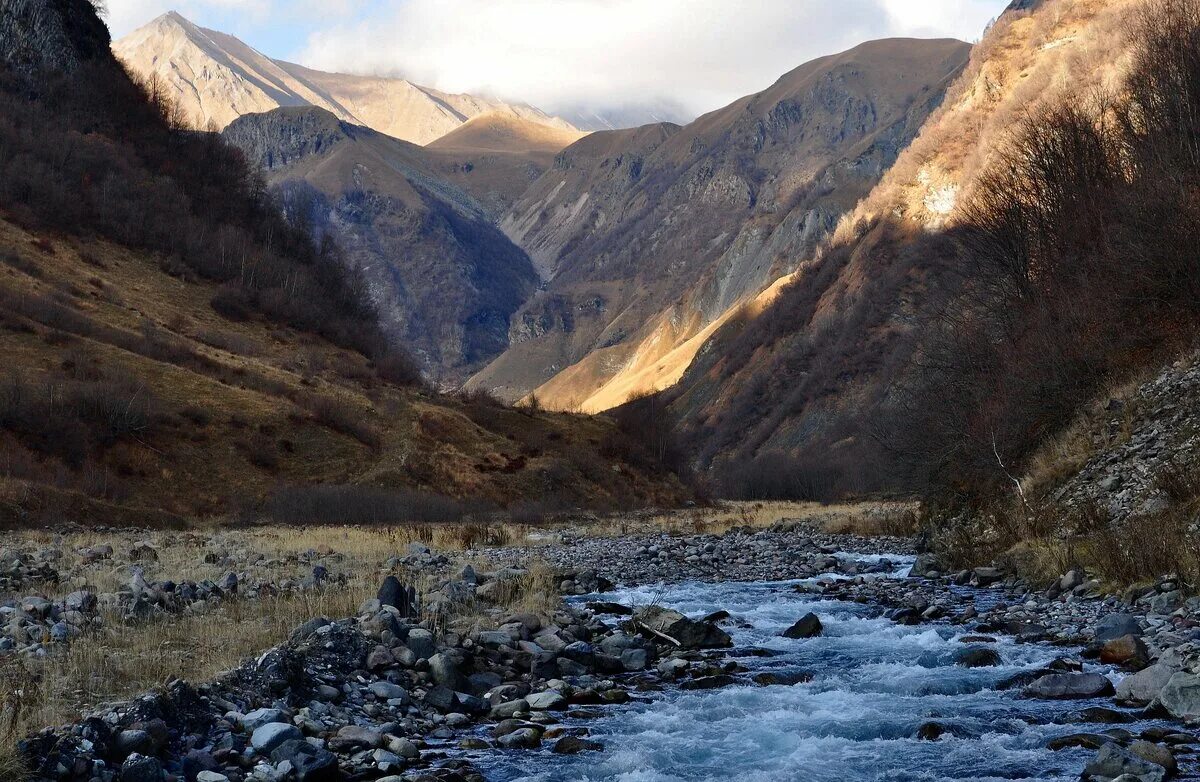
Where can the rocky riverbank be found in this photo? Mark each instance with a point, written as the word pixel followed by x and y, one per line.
pixel 401 690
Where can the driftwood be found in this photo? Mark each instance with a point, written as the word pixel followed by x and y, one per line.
pixel 656 633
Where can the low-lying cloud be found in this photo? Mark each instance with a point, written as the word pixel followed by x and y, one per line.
pixel 700 54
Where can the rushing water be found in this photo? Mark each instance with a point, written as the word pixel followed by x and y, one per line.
pixel 874 683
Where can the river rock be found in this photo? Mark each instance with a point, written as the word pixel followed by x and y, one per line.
pixel 1154 753
pixel 1112 762
pixel 140 768
pixel 266 738
pixel 1128 650
pixel 977 657
pixel 1144 686
pixel 808 626
pixel 688 633
pixel 310 763
pixel 1114 626
pixel 1181 696
pixel 521 738
pixel 546 701
pixel 1070 686
pixel 573 745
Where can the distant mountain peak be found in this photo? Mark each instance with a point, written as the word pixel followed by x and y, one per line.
pixel 217 78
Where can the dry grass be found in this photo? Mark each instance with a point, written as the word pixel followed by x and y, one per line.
pixel 719 519
pixel 121 661
pixel 12 766
pixel 1064 454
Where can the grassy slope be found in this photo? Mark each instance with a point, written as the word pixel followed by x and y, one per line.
pixel 252 384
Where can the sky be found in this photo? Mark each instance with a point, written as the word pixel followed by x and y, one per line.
pixel 560 54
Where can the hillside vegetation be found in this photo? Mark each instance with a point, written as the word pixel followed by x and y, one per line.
pixel 1031 248
pixel 175 348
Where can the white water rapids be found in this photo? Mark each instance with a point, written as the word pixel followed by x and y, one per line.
pixel 874 683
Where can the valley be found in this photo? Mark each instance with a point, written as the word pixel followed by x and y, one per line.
pixel 354 430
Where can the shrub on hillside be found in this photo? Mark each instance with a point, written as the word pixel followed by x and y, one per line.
pixel 346 504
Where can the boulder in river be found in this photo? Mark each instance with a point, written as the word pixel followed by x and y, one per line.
pixel 977 657
pixel 1181 696
pixel 1145 685
pixel 808 626
pixel 1070 686
pixel 573 745
pixel 1128 650
pixel 674 627
pixel 1112 762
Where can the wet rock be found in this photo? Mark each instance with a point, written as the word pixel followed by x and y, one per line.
pixel 1112 762
pixel 977 657
pixel 687 633
pixel 930 731
pixel 808 626
pixel 1069 686
pixel 1181 696
pixel 709 682
pixel 1085 740
pixel 522 738
pixel 573 745
pixel 1101 715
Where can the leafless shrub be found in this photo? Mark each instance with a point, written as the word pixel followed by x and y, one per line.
pixel 346 504
pixel 344 418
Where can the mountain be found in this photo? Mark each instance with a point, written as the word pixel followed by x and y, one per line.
pixel 216 78
pixel 444 280
pixel 496 157
pixel 982 292
pixel 647 237
pixel 176 349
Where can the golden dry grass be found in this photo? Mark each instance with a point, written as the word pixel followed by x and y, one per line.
pixel 862 518
pixel 121 661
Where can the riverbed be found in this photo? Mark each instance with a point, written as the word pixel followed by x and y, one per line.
pixel 874 685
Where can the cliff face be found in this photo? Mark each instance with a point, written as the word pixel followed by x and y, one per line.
pixel 56 35
pixel 444 279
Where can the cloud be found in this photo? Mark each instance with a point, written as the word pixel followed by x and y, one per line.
pixel 561 54
pixel 701 53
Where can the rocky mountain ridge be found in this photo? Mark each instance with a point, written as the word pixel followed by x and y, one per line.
pixel 216 78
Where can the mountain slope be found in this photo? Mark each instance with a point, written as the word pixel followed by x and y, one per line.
pixel 174 349
pixel 496 157
pixel 649 236
pixel 214 77
pixel 833 375
pixel 443 279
